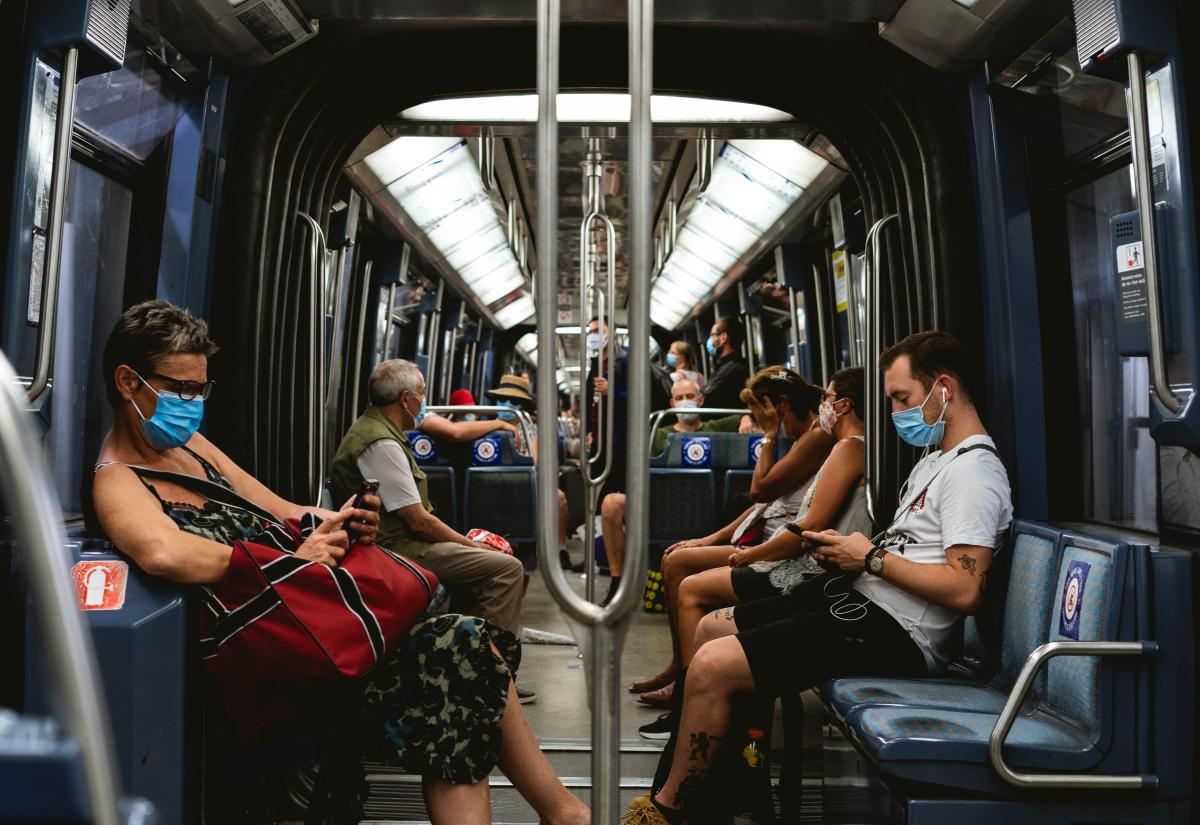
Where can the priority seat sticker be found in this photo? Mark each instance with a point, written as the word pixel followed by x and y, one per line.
pixel 1072 599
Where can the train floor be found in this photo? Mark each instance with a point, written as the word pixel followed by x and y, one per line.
pixel 561 720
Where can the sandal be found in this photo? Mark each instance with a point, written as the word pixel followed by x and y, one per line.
pixel 660 698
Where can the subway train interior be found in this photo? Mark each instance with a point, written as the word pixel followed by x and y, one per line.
pixel 541 200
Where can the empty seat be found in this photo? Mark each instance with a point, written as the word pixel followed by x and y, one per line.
pixel 500 492
pixel 443 493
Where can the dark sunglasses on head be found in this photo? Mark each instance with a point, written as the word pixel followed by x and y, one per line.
pixel 187 390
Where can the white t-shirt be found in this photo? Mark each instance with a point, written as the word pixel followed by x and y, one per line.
pixel 949 499
pixel 385 460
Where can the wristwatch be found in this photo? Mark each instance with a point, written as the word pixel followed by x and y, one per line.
pixel 874 561
pixel 766 439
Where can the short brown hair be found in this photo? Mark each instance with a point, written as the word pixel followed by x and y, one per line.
pixel 933 353
pixel 780 382
pixel 148 331
pixel 728 325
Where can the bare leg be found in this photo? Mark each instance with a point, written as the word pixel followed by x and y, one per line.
pixel 563 515
pixel 697 595
pixel 677 566
pixel 450 804
pixel 523 762
pixel 716 625
pixel 612 527
pixel 718 671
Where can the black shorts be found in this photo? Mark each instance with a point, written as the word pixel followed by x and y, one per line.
pixel 820 630
pixel 750 585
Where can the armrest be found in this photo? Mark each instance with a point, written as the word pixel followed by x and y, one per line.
pixel 1012 707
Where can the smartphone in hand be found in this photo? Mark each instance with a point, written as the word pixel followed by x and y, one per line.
pixel 369 487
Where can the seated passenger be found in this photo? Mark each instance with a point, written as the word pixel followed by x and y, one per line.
pixel 466 427
pixel 777 397
pixel 462 398
pixel 156 374
pixel 895 609
pixel 681 359
pixel 685 395
pixel 376 446
pixel 513 391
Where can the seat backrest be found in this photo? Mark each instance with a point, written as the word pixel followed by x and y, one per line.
pixel 425 449
pixel 497 449
pixel 502 500
pixel 1032 564
pixel 681 503
pixel 1084 606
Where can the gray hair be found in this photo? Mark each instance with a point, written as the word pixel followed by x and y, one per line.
pixel 391 379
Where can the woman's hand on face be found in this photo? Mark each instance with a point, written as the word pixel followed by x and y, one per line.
pixel 328 543
pixel 363 522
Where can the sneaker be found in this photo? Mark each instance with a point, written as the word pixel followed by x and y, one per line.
pixel 564 558
pixel 526 696
pixel 661 728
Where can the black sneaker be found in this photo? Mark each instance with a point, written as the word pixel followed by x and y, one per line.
pixel 564 558
pixel 661 728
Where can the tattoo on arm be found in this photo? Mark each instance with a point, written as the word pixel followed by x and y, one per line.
pixel 968 563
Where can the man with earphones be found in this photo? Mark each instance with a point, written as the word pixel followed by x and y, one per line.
pixel 891 606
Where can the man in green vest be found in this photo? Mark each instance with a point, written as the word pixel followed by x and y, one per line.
pixel 376 446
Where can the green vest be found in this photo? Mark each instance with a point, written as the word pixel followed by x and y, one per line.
pixel 346 478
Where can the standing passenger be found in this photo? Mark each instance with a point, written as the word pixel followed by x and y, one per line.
pixel 729 371
pixel 612 511
pixel 682 359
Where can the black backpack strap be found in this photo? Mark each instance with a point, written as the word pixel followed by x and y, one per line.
pixel 987 447
pixel 208 489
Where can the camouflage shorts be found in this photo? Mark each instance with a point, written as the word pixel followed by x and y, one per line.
pixel 433 707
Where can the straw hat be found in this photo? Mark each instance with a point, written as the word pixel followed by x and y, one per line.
pixel 513 388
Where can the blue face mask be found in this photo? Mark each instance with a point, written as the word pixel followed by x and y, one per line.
pixel 420 416
pixel 672 359
pixel 711 346
pixel 174 421
pixel 911 426
pixel 507 416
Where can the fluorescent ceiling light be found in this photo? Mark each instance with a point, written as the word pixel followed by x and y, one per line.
pixel 568 330
pixel 437 184
pixel 592 107
pixel 753 184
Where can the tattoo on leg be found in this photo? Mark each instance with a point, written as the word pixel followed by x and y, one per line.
pixel 968 563
pixel 688 787
pixel 701 742
pixel 726 613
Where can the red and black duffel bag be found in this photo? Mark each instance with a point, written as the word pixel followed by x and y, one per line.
pixel 279 631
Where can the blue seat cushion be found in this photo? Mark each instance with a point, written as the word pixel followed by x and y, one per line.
pixel 849 694
pixel 930 735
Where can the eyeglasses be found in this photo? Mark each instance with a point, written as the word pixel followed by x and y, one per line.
pixel 187 390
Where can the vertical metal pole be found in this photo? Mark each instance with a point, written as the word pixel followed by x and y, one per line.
pixel 792 309
pixel 64 122
pixel 433 340
pixel 819 299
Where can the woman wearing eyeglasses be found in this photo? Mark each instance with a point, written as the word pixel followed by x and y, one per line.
pixel 442 705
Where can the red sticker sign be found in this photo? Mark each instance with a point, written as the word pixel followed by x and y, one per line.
pixel 100 585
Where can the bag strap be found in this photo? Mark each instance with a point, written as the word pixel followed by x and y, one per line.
pixel 959 452
pixel 208 489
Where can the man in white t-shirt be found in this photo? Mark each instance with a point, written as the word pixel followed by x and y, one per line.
pixel 895 608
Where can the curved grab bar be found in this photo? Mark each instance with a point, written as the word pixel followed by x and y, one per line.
pixel 524 422
pixel 1139 132
pixel 51 275
pixel 874 344
pixel 37 523
pixel 316 354
pixel 607 301
pixel 657 416
pixel 604 627
pixel 1016 698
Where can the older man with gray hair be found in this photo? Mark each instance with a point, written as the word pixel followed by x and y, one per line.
pixel 376 446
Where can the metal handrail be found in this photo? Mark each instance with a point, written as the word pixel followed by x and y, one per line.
pixel 316 354
pixel 873 395
pixel 600 630
pixel 524 422
pixel 607 301
pixel 1016 698
pixel 657 416
pixel 1139 130
pixel 819 300
pixel 37 524
pixel 852 302
pixel 56 217
pixel 487 158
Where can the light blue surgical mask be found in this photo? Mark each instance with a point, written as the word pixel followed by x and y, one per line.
pixel 174 420
pixel 419 415
pixel 911 426
pixel 507 416
pixel 672 359
pixel 711 346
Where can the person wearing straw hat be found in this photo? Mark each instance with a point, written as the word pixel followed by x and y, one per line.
pixel 513 391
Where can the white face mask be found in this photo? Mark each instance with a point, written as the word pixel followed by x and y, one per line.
pixel 595 342
pixel 687 404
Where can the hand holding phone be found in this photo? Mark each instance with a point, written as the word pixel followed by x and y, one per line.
pixel 369 487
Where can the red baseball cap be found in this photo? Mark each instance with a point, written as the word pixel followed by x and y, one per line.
pixel 462 398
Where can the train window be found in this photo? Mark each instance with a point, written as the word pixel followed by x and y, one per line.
pixel 133 107
pixel 95 246
pixel 1119 474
